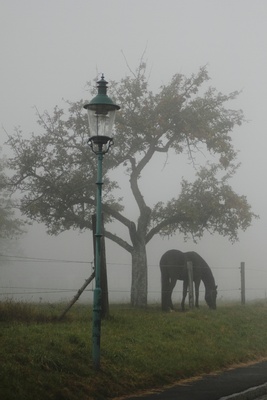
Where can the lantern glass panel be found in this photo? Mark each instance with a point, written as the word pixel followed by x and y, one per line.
pixel 101 122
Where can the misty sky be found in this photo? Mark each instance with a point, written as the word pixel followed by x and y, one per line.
pixel 50 49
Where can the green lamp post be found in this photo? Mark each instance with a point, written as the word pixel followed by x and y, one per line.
pixel 101 116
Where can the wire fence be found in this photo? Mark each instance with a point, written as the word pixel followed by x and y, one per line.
pixel 53 280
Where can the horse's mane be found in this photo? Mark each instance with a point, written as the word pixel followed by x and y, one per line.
pixel 205 271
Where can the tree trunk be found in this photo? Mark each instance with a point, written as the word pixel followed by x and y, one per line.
pixel 139 276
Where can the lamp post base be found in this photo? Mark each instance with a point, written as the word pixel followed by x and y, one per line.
pixel 96 327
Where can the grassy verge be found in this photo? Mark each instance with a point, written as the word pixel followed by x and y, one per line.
pixel 42 358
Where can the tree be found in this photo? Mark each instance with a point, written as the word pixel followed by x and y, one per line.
pixel 56 171
pixel 10 225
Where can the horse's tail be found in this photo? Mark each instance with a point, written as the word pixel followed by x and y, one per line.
pixel 165 288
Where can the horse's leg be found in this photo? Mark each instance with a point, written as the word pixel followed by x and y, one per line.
pixel 185 286
pixel 197 283
pixel 171 287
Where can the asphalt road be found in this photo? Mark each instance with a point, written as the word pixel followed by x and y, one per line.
pixel 221 386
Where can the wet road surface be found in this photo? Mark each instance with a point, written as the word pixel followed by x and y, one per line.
pixel 217 386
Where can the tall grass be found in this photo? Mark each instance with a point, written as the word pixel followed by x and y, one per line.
pixel 42 358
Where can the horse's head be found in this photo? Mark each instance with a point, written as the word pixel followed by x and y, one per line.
pixel 210 297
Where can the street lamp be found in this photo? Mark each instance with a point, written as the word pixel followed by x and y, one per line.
pixel 101 116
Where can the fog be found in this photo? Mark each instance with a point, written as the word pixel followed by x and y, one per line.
pixel 50 49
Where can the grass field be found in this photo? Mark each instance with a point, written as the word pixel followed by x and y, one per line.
pixel 43 358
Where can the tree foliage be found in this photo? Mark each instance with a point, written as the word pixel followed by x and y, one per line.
pixel 56 172
pixel 10 225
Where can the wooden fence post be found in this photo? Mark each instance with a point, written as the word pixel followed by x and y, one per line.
pixel 243 291
pixel 190 284
pixel 76 297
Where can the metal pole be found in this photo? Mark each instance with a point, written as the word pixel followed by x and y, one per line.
pixel 243 288
pixel 97 290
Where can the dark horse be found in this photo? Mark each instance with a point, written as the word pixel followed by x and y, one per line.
pixel 173 266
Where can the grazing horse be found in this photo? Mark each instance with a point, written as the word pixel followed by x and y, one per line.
pixel 173 267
